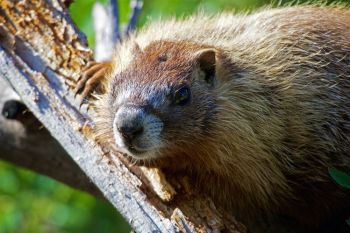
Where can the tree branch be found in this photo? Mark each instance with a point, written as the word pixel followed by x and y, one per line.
pixel 136 6
pixel 26 143
pixel 113 10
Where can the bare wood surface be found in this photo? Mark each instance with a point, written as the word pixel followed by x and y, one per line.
pixel 106 36
pixel 41 56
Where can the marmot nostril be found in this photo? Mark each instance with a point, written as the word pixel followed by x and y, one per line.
pixel 130 132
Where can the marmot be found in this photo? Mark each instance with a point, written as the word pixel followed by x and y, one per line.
pixel 255 108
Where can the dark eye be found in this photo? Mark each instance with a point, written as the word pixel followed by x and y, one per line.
pixel 182 96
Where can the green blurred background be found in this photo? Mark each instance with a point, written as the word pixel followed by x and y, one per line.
pixel 33 203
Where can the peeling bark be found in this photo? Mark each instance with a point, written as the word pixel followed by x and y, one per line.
pixel 41 56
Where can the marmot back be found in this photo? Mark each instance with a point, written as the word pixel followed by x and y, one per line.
pixel 254 108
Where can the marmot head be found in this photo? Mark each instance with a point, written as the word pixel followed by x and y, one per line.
pixel 163 100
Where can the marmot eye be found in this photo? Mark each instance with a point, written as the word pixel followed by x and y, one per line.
pixel 182 96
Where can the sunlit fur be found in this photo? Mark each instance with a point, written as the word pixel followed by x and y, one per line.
pixel 262 139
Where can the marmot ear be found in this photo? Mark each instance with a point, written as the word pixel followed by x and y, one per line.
pixel 206 59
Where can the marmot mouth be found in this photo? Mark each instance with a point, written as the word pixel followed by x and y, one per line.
pixel 134 151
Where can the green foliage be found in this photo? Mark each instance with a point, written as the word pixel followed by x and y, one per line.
pixel 340 177
pixel 32 203
pixel 81 12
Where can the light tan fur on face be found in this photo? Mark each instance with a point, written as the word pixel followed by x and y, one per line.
pixel 280 105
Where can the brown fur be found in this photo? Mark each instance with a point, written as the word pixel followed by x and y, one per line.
pixel 261 139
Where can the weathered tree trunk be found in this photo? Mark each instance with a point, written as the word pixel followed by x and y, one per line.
pixel 41 56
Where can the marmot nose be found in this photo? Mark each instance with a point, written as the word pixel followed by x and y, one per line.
pixel 130 132
pixel 129 122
